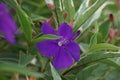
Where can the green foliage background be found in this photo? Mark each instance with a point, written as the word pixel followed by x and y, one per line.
pixel 100 55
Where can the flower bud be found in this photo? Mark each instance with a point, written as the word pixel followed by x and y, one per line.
pixel 111 18
pixel 51 6
pixel 50 20
pixel 65 15
pixel 113 33
pixel 71 23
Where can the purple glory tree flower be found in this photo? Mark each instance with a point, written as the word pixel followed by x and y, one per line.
pixel 7 25
pixel 64 50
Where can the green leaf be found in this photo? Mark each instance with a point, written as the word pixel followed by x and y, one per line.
pixel 113 75
pixel 93 72
pixel 93 40
pixel 3 77
pixel 87 14
pixel 55 74
pixel 25 23
pixel 85 73
pixel 8 56
pixel 69 8
pixel 83 47
pixel 25 58
pixel 82 8
pixel 45 37
pixel 103 46
pixel 15 68
pixel 110 62
pixel 11 3
pixel 93 18
pixel 97 57
pixel 38 18
pixel 59 10
pixel 69 77
pixel 104 29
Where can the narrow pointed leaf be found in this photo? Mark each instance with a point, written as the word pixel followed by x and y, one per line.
pixel 25 23
pixel 87 14
pixel 97 57
pixel 110 62
pixel 94 17
pixel 55 74
pixel 38 18
pixel 82 8
pixel 25 58
pixel 12 67
pixel 85 73
pixel 103 46
pixel 45 37
pixel 104 29
pixel 59 10
pixel 93 40
pixel 70 9
pixel 92 72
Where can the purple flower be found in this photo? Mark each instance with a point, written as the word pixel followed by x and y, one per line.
pixel 7 25
pixel 64 50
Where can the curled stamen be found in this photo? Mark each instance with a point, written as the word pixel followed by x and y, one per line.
pixel 76 35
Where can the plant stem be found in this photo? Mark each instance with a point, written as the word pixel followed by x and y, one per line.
pixel 44 68
pixel 55 19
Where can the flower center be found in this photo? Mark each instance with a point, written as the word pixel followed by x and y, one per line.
pixel 63 42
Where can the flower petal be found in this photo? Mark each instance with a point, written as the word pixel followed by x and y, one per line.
pixel 47 47
pixel 7 25
pixel 62 59
pixel 65 30
pixel 5 18
pixel 74 50
pixel 47 29
pixel 7 32
pixel 10 38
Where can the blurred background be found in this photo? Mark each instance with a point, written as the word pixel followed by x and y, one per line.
pixel 38 11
